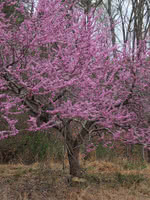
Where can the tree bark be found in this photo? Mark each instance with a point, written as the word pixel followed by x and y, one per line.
pixel 148 156
pixel 73 150
pixel 73 146
pixel 73 157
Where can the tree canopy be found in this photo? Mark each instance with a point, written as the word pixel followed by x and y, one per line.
pixel 59 66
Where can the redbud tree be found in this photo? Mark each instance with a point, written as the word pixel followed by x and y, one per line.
pixel 58 66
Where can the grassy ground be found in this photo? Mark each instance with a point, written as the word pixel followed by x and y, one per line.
pixel 103 180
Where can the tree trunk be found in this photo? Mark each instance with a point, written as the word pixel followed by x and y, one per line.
pixel 111 20
pixel 73 150
pixel 148 156
pixel 73 157
pixel 73 146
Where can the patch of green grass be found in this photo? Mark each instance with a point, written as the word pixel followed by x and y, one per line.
pixel 20 173
pixel 30 169
pixel 127 180
pixel 134 165
pixel 115 180
pixel 100 178
pixel 93 178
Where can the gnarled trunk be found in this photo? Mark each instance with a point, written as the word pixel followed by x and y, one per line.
pixel 73 156
pixel 73 150
pixel 148 156
pixel 73 146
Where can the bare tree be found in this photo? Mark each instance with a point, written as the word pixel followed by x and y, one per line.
pixel 128 20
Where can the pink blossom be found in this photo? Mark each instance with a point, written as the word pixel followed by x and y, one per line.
pixel 56 53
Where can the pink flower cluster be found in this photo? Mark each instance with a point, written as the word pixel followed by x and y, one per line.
pixel 61 48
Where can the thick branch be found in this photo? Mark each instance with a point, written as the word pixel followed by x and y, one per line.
pixel 29 100
pixel 84 131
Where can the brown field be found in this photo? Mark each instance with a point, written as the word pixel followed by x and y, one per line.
pixel 102 180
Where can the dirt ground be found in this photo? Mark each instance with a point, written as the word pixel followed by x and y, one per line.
pixel 101 181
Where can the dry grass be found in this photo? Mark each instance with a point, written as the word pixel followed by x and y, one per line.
pixel 47 181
